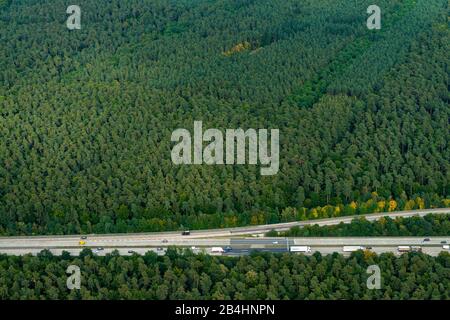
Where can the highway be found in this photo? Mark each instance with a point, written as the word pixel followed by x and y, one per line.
pixel 329 245
pixel 203 240
pixel 248 230
pixel 245 246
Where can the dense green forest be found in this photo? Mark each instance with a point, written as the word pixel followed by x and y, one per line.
pixel 86 115
pixel 260 276
pixel 430 225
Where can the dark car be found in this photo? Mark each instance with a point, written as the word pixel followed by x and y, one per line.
pixel 444 242
pixel 83 238
pixel 131 251
pixel 165 241
pixel 159 249
pixel 426 239
pixel 227 249
pixel 185 233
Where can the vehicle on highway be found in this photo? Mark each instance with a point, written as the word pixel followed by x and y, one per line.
pixel 159 249
pixel 275 242
pixel 426 239
pixel 444 242
pixel 352 248
pixel 416 249
pixel 83 238
pixel 82 243
pixel 217 250
pixel 404 248
pixel 100 248
pixel 228 249
pixel 131 251
pixel 185 233
pixel 446 247
pixel 368 248
pixel 165 241
pixel 306 249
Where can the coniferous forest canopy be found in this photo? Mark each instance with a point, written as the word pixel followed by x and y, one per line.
pixel 259 276
pixel 86 118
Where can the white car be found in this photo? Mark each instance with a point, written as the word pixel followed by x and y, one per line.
pixel 275 242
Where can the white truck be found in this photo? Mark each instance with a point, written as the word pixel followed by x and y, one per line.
pixel 352 248
pixel 306 249
pixel 217 250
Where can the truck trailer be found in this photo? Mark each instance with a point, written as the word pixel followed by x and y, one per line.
pixel 306 249
pixel 352 248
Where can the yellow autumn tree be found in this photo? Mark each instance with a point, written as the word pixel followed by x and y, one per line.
pixel 237 48
pixel 314 213
pixel 254 220
pixel 446 203
pixel 337 211
pixel 231 221
pixel 326 211
pixel 420 203
pixel 368 254
pixel 410 204
pixel 392 205
pixel 381 205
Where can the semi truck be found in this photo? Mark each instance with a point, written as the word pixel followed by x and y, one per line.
pixel 352 248
pixel 306 249
pixel 409 249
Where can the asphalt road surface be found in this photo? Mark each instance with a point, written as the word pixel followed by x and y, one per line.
pixel 205 239
pixel 258 229
pixel 245 246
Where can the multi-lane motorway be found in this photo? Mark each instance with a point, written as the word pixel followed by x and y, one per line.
pixel 431 246
pixel 241 246
pixel 204 240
